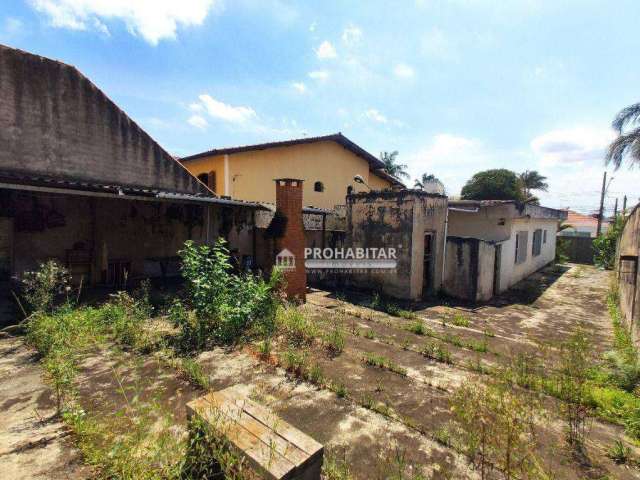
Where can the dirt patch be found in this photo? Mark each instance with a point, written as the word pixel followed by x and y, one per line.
pixel 34 443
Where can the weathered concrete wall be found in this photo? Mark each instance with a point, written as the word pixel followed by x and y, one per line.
pixel 100 231
pixel 55 123
pixel 398 220
pixel 486 265
pixel 461 267
pixel 629 272
pixel 469 269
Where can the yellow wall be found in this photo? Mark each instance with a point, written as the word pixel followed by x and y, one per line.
pixel 251 173
pixel 207 165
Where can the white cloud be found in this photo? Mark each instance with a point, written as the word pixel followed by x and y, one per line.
pixel 12 26
pixel 375 115
pixel 299 87
pixel 351 35
pixel 403 70
pixel 228 113
pixel 320 75
pixel 198 121
pixel 451 158
pixel 436 44
pixel 326 51
pixel 577 145
pixel 153 20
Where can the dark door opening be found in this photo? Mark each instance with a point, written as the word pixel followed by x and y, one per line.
pixel 427 265
pixel 496 270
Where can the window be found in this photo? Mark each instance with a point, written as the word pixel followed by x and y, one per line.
pixel 544 236
pixel 349 190
pixel 318 187
pixel 537 242
pixel 209 179
pixel 204 178
pixel 522 241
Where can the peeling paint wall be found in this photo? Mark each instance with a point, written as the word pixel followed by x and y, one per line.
pixel 55 122
pixel 397 220
pixel 88 233
pixel 629 272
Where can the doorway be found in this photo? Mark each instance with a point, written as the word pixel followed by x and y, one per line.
pixel 6 247
pixel 427 264
pixel 496 270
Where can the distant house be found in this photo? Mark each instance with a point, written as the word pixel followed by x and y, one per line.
pixel 580 225
pixel 493 244
pixel 327 164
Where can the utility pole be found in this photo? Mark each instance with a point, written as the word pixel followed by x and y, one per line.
pixel 615 209
pixel 624 206
pixel 604 187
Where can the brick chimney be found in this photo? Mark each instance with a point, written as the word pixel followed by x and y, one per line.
pixel 289 205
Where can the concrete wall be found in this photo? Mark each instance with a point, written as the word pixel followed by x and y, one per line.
pixel 469 269
pixel 54 122
pixel 510 272
pixel 398 220
pixel 102 230
pixel 629 272
pixel 499 225
pixel 249 175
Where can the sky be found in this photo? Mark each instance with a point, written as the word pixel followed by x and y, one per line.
pixel 455 86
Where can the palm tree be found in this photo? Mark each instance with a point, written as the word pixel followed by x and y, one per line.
pixel 398 170
pixel 430 183
pixel 627 142
pixel 532 180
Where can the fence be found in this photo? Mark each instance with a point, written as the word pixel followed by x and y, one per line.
pixel 577 249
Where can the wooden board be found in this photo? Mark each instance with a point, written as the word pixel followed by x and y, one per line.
pixel 272 447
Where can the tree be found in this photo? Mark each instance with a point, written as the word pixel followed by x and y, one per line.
pixel 498 184
pixel 430 183
pixel 532 180
pixel 391 165
pixel 628 141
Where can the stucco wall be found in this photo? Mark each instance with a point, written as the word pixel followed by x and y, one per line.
pixel 54 122
pixel 398 220
pixel 250 174
pixel 469 269
pixel 629 272
pixel 510 272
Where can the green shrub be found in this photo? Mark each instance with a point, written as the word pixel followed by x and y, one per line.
pixel 41 287
pixel 619 452
pixel 335 339
pixel 417 327
pixel 226 306
pixel 460 320
pixel 297 327
pixel 604 246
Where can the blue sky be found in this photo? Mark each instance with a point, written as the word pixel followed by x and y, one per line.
pixel 456 86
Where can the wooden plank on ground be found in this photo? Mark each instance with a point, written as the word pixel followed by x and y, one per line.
pixel 272 447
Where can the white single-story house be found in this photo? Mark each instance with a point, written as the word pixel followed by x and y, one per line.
pixel 493 244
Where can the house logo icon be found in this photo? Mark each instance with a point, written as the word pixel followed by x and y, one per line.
pixel 286 260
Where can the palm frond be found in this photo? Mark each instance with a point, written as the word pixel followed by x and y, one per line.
pixel 626 116
pixel 627 144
